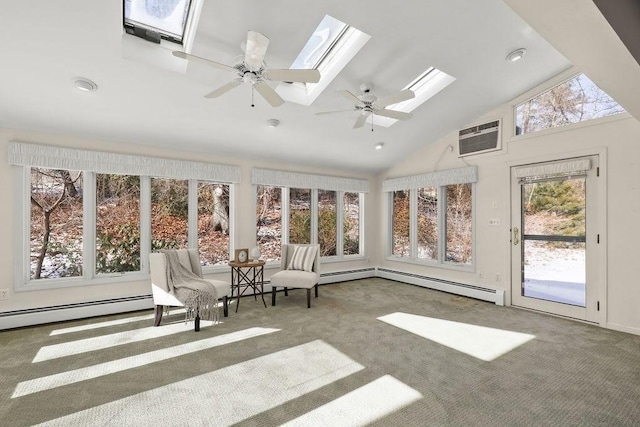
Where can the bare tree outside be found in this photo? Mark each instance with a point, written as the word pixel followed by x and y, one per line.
pixel 269 221
pixel 459 224
pixel 573 101
pixel 56 223
pixel 213 223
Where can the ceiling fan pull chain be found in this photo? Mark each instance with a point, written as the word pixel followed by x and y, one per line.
pixel 252 90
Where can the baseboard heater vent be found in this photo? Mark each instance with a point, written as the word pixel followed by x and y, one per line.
pixel 59 313
pixel 338 276
pixel 486 294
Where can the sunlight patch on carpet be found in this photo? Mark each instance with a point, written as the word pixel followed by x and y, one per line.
pixel 99 343
pixel 99 325
pixel 95 371
pixel 478 341
pixel 228 395
pixel 362 406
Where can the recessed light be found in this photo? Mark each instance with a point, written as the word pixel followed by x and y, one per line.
pixel 84 85
pixel 379 145
pixel 273 123
pixel 516 55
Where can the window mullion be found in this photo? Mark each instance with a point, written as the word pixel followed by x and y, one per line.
pixel 89 225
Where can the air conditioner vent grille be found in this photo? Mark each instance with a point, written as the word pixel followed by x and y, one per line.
pixel 479 138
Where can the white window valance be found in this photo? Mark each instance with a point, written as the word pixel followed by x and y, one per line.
pixel 46 156
pixel 302 180
pixel 464 175
pixel 564 167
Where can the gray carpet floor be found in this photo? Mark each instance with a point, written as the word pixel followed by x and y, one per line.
pixel 328 365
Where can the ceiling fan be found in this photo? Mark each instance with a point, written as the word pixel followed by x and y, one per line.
pixel 252 69
pixel 368 104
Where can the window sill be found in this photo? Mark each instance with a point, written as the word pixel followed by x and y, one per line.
pixel 447 266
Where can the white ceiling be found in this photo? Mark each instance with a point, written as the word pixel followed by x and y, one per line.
pixel 46 44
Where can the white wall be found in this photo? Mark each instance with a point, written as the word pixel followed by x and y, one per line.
pixel 618 137
pixel 244 219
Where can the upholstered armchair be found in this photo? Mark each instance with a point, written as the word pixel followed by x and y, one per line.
pixel 300 268
pixel 160 287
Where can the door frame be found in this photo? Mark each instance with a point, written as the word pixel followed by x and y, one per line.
pixel 599 230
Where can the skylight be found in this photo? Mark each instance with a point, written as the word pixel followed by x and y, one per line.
pixel 160 19
pixel 426 85
pixel 329 49
pixel 320 43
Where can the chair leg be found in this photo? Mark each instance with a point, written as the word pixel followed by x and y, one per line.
pixel 308 298
pixel 316 290
pixel 225 306
pixel 286 292
pixel 196 322
pixel 273 295
pixel 158 318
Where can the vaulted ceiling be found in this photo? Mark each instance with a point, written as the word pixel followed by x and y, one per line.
pixel 46 45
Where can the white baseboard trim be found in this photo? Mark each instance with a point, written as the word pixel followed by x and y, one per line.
pixel 59 313
pixel 485 294
pixel 622 328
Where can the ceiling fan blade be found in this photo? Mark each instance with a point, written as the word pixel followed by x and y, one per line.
pixel 256 49
pixel 180 54
pixel 350 96
pixel 304 76
pixel 223 89
pixel 333 112
pixel 394 99
pixel 361 121
pixel 269 94
pixel 393 114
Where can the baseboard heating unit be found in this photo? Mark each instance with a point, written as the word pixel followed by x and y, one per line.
pixel 472 291
pixel 59 313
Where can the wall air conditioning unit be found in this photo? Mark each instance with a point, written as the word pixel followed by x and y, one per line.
pixel 480 138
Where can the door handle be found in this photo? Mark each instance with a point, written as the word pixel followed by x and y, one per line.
pixel 516 240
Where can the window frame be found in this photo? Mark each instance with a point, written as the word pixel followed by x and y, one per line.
pixel 413 258
pixel 285 212
pixel 21 153
pixel 558 81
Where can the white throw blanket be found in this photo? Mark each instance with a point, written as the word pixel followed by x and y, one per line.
pixel 199 296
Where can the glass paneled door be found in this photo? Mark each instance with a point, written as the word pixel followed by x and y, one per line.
pixel 554 259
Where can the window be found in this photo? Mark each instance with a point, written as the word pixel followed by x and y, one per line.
pixel 169 213
pixel 427 223
pixel 299 215
pixel 400 247
pixel 117 223
pixel 89 216
pixel 425 86
pixel 327 222
pixel 56 225
pixel 351 223
pixel 307 213
pixel 269 221
pixel 155 19
pixel 576 100
pixel 432 221
pixel 331 46
pixel 459 224
pixel 213 223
